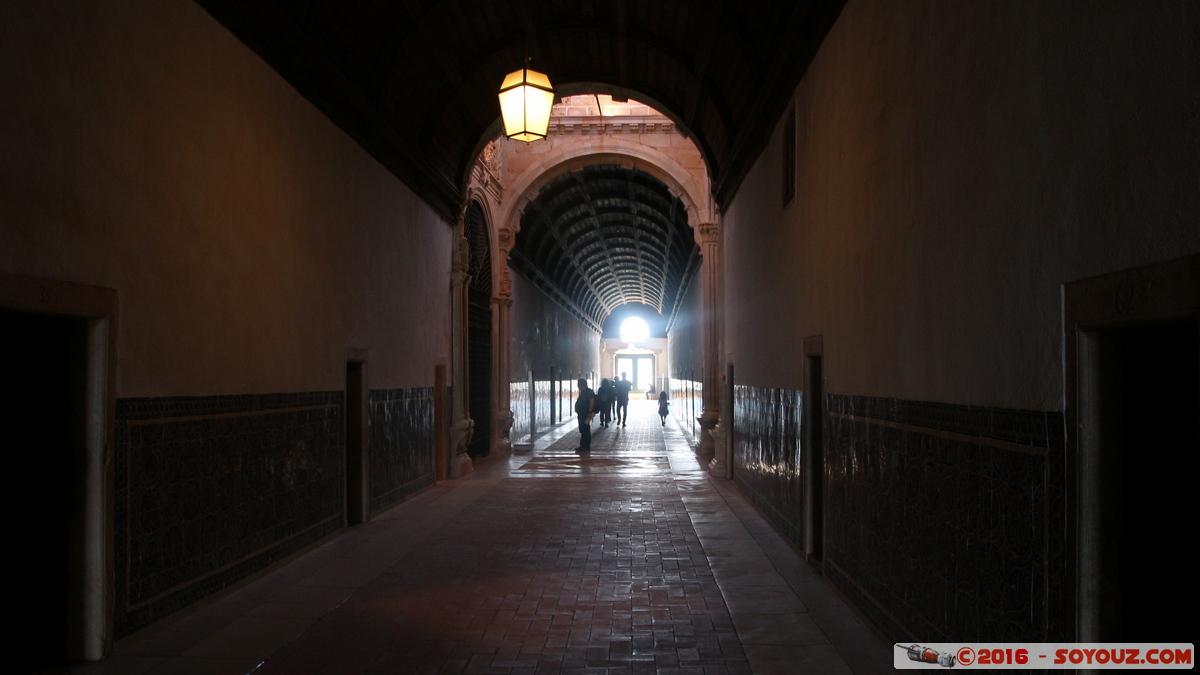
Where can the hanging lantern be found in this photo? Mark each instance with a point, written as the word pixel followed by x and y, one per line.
pixel 525 101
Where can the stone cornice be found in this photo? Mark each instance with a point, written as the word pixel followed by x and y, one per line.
pixel 621 124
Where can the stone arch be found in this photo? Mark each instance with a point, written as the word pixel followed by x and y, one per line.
pixel 507 196
pixel 693 193
pixel 479 197
pixel 703 218
pixel 495 131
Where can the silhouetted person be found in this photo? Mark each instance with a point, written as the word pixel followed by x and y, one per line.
pixel 604 401
pixel 622 386
pixel 663 406
pixel 584 407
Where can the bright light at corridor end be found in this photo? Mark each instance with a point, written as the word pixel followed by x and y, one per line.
pixel 526 98
pixel 635 329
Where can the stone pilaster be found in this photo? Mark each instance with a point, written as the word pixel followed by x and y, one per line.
pixel 501 304
pixel 461 425
pixel 722 464
pixel 711 320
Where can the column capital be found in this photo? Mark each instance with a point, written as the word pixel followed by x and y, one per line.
pixel 462 256
pixel 505 239
pixel 503 292
pixel 708 233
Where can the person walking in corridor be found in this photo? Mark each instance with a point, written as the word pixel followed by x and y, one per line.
pixel 663 407
pixel 604 400
pixel 584 408
pixel 623 386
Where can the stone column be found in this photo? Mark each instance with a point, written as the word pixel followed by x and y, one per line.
pixel 502 372
pixel 711 320
pixel 461 425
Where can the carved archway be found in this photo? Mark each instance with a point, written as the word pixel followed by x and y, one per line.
pixel 678 165
pixel 693 192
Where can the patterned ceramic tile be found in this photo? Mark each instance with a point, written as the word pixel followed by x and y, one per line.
pixel 518 402
pixel 401 444
pixel 211 489
pixel 934 534
pixel 687 403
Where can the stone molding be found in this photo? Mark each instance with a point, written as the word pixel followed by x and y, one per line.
pixel 690 189
pixel 612 125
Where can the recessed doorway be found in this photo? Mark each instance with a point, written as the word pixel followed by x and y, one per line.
pixel 640 369
pixel 1132 450
pixel 1144 401
pixel 40 407
pixel 813 450
pixel 55 411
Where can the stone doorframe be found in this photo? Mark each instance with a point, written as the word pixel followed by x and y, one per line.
pixel 90 576
pixel 1160 291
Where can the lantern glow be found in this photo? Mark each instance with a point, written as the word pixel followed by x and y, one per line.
pixel 526 98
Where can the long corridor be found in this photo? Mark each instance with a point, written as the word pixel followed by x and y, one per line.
pixel 630 560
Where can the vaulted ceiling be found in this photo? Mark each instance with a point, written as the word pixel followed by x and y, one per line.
pixel 605 236
pixel 415 81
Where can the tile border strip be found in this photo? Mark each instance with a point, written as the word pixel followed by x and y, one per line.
pixel 1021 427
pixel 1038 450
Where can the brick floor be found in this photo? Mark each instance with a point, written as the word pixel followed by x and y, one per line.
pixel 627 560
pixel 572 564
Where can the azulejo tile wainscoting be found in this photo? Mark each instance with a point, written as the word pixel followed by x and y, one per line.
pixel 209 490
pixel 543 399
pixel 767 458
pixel 552 403
pixel 687 402
pixel 943 522
pixel 400 453
pixel 518 402
pixel 567 391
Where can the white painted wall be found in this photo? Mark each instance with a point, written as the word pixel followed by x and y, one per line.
pixel 251 242
pixel 958 162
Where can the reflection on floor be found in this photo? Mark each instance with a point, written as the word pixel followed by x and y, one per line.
pixel 629 560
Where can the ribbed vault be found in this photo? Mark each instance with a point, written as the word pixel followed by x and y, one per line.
pixel 604 236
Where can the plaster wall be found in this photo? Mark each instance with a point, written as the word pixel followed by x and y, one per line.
pixel 685 340
pixel 956 164
pixel 543 334
pixel 251 244
pixel 250 241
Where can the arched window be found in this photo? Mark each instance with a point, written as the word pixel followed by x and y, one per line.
pixel 635 329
